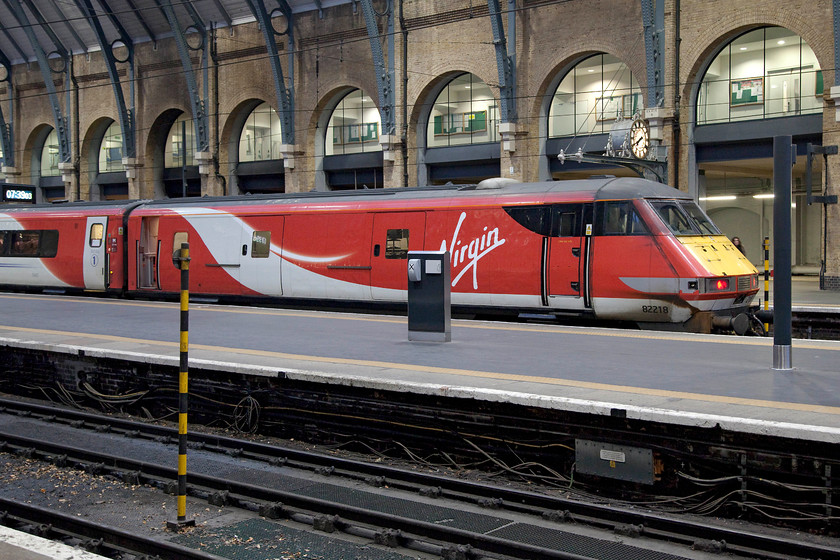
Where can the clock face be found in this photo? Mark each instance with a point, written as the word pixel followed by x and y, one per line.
pixel 640 139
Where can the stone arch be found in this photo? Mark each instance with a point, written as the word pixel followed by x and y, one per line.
pixel 154 149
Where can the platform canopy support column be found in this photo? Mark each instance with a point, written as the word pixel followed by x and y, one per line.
pixel 61 58
pixel 126 113
pixel 506 68
pixel 7 129
pixel 198 102
pixel 783 156
pixel 285 95
pixel 384 72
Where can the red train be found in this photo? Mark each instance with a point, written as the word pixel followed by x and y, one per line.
pixel 611 248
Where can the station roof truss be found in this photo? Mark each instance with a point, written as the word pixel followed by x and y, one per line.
pixel 61 26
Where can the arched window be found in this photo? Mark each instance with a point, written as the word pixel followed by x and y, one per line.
pixel 177 134
pixel 50 156
pixel 354 126
pixel 596 92
pixel 111 150
pixel 765 73
pixel 465 112
pixel 260 138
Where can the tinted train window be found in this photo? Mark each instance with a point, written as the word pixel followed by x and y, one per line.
pixel 700 219
pixel 533 218
pixel 96 233
pixel 260 244
pixel 29 243
pixel 675 217
pixel 621 218
pixel 396 244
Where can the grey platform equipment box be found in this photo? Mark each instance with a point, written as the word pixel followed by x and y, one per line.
pixel 621 462
pixel 429 296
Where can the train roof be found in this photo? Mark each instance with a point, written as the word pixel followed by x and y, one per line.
pixel 596 188
pixel 600 188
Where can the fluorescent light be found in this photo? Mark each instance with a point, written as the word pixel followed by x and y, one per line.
pixel 743 48
pixel 780 42
pixel 764 195
pixel 728 197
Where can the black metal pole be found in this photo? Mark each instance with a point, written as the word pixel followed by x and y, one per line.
pixel 783 157
pixel 183 390
pixel 183 158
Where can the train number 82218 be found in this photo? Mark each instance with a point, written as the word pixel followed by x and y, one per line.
pixel 655 309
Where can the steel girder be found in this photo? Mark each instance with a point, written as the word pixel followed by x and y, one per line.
pixel 653 18
pixel 7 130
pixel 505 58
pixel 62 120
pixel 384 74
pixel 126 114
pixel 197 101
pixel 285 96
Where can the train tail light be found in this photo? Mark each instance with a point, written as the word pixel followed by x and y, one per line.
pixel 719 285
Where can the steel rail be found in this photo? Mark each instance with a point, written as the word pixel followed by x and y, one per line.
pixel 654 525
pixel 97 537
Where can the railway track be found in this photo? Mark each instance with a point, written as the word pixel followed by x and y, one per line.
pixel 542 512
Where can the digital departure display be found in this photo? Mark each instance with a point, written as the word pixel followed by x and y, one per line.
pixel 18 194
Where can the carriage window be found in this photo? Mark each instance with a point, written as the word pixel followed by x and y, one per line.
pixel 179 238
pixel 532 218
pixel 620 218
pixel 29 243
pixel 260 244
pixel 49 243
pixel 675 218
pixel 396 244
pixel 96 233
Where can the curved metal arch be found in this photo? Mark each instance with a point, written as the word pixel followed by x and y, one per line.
pixel 384 75
pixel 126 114
pixel 7 131
pixel 62 121
pixel 197 103
pixel 285 96
pixel 505 60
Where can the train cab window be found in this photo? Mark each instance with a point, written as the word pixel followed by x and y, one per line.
pixel 97 232
pixel 703 223
pixel 260 244
pixel 675 217
pixel 532 218
pixel 396 244
pixel 621 218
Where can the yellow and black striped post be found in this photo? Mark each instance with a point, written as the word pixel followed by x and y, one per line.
pixel 183 261
pixel 766 279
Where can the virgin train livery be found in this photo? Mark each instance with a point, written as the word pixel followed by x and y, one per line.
pixel 610 248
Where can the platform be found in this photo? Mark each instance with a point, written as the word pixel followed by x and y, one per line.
pixel 685 379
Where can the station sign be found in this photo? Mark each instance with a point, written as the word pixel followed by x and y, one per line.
pixel 18 193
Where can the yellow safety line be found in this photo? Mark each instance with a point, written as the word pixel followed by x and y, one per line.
pixel 550 329
pixel 467 373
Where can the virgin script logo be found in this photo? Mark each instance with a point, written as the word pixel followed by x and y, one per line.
pixel 466 254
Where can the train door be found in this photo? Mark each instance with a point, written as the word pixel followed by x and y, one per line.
pixel 565 246
pixel 95 256
pixel 394 235
pixel 261 259
pixel 148 255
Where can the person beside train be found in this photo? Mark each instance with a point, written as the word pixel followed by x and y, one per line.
pixel 737 242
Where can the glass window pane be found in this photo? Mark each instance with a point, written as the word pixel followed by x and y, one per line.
pixel 111 150
pixel 465 112
pixel 180 135
pixel 96 233
pixel 355 126
pixel 50 156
